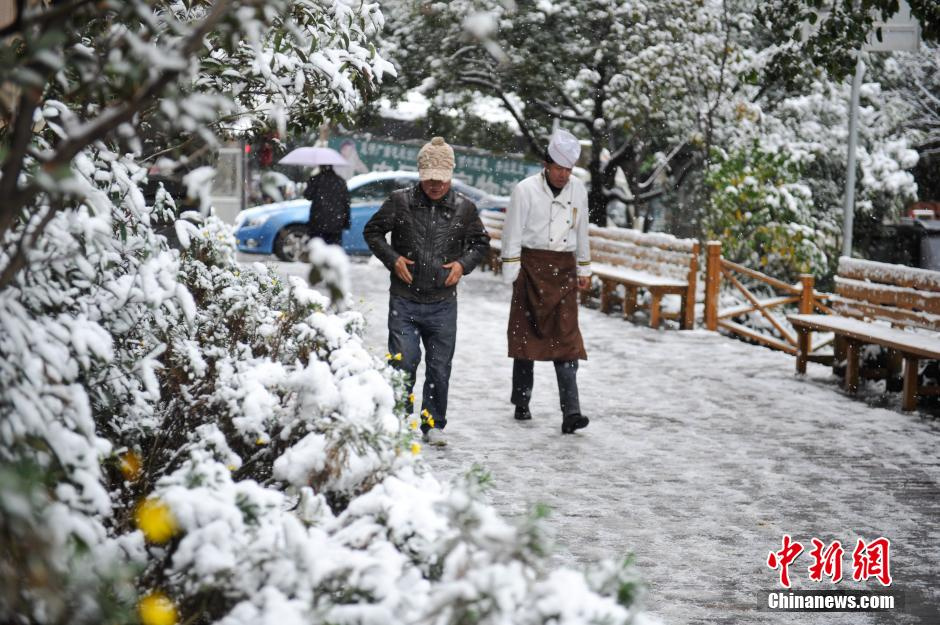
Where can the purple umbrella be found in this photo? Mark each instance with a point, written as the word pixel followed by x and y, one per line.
pixel 313 157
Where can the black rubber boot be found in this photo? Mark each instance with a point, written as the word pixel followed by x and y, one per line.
pixel 572 422
pixel 522 413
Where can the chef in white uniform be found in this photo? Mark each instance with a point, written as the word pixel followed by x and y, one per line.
pixel 547 257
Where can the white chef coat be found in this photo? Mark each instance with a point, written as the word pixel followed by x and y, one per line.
pixel 536 219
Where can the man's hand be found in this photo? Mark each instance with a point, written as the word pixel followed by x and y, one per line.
pixel 401 269
pixel 584 282
pixel 456 272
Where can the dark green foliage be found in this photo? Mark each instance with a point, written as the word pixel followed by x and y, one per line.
pixel 839 28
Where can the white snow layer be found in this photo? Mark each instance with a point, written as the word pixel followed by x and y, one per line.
pixel 701 454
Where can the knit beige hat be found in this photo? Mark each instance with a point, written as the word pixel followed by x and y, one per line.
pixel 436 160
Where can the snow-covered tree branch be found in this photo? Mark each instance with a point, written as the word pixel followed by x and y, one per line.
pixel 187 439
pixel 168 68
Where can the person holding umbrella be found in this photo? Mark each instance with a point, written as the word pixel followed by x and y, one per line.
pixel 327 192
pixel 329 205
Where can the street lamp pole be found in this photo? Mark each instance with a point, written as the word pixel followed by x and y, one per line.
pixel 848 209
pixel 900 32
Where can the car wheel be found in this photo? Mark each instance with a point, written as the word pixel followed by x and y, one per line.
pixel 291 243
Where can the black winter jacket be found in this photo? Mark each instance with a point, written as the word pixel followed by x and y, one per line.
pixel 329 202
pixel 429 233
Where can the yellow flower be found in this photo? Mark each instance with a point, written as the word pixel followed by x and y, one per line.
pixel 388 356
pixel 232 467
pixel 130 466
pixel 156 608
pixel 425 413
pixel 260 441
pixel 156 521
pixel 411 398
pixel 415 449
pixel 398 356
pixel 413 424
pixel 431 421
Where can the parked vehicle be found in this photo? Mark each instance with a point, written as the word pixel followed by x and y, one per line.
pixel 280 228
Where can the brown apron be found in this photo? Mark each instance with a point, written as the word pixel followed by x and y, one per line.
pixel 543 318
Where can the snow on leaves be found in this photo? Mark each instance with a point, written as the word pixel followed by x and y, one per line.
pixel 268 443
pixel 267 436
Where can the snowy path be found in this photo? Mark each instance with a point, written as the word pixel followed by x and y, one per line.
pixel 701 454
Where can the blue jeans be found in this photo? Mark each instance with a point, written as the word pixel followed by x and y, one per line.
pixel 435 324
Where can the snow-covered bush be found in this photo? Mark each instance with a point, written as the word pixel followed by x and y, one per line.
pixel 185 438
pixel 79 351
pixel 812 128
pixel 763 215
pixel 215 440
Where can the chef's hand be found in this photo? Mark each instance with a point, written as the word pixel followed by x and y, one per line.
pixel 401 269
pixel 456 272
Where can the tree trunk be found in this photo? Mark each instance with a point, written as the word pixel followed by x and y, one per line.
pixel 597 202
pixel 603 179
pixel 597 199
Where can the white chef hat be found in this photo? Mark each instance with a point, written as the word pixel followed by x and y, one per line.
pixel 564 148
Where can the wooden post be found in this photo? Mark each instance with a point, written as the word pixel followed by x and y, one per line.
pixel 655 297
pixel 838 351
pixel 895 369
pixel 805 338
pixel 909 399
pixel 629 300
pixel 605 296
pixel 807 300
pixel 851 365
pixel 803 349
pixel 712 283
pixel 496 261
pixel 687 320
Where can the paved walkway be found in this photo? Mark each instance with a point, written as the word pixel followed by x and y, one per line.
pixel 701 454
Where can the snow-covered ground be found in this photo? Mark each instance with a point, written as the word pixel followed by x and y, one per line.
pixel 701 454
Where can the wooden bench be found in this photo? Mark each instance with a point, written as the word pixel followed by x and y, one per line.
pixel 658 263
pixel 892 306
pixel 493 222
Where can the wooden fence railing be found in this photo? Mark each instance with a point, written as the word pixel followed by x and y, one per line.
pixel 809 300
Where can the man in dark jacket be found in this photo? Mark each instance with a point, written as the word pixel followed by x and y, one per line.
pixel 437 237
pixel 329 205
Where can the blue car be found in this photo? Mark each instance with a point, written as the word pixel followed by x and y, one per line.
pixel 281 228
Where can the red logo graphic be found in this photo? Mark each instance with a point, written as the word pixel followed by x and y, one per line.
pixel 783 558
pixel 871 560
pixel 826 562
